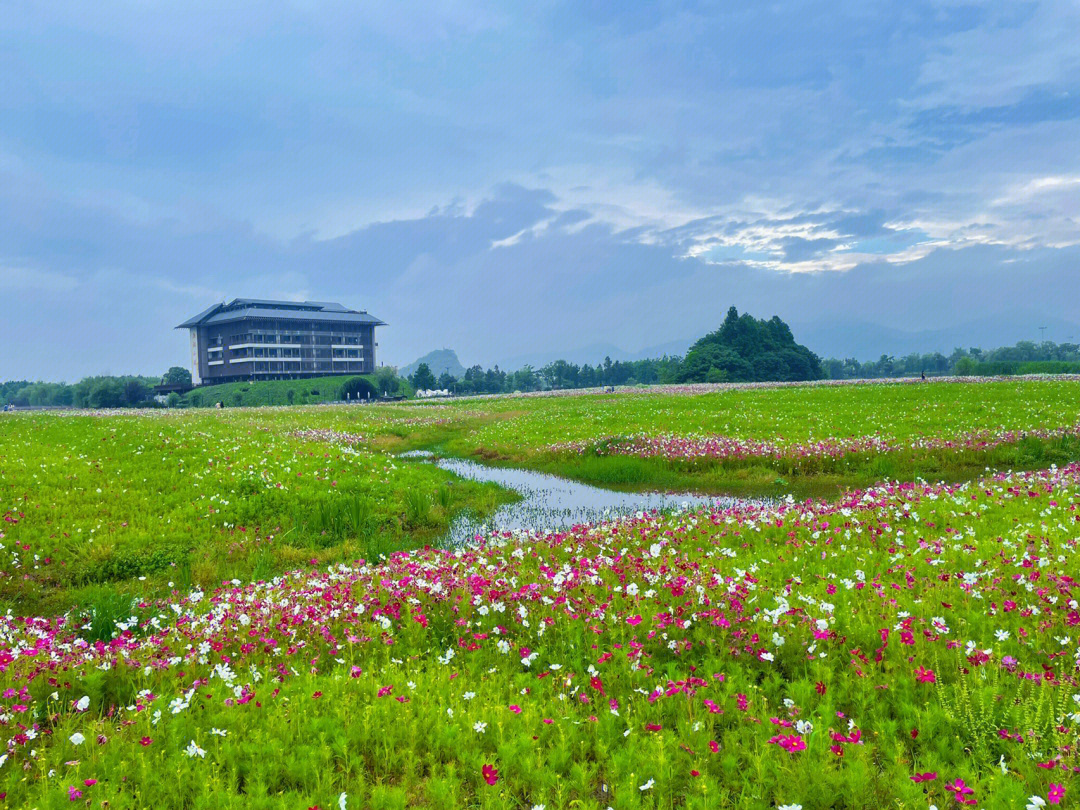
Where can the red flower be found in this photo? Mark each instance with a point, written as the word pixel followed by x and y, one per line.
pixel 820 687
pixel 491 774
pixel 914 733
pixel 653 727
pixel 145 741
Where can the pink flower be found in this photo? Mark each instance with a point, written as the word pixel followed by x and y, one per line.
pixel 1055 794
pixel 925 675
pixel 491 774
pixel 90 782
pixel 961 790
pixel 714 746
pixel 634 620
pixel 74 794
pixel 924 777
pixel 386 690
pixel 515 709
pixel 356 672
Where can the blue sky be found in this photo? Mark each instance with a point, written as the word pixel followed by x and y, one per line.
pixel 528 179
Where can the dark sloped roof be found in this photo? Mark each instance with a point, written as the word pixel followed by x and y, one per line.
pixel 240 308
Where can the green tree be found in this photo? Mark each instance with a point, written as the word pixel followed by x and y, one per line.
pixel 422 378
pixel 135 392
pixel 177 375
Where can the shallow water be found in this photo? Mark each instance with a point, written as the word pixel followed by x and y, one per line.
pixel 550 502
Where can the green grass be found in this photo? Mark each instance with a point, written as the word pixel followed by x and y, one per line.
pixel 211 581
pixel 272 392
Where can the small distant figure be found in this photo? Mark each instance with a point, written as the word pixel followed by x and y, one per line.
pixel 219 404
pixel 923 375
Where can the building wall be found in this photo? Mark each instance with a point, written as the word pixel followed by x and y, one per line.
pixel 266 348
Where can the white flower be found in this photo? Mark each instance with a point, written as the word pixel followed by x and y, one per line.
pixel 648 785
pixel 1001 635
pixel 77 738
pixel 766 656
pixel 804 726
pixel 193 750
pixel 555 667
pixel 83 704
pixel 539 807
pixel 469 695
pixel 789 807
pixel 341 801
pixel 219 732
pixel 479 727
pixel 1035 802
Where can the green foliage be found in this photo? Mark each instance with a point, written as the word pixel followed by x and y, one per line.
pixel 283 392
pixel 422 378
pixel 747 349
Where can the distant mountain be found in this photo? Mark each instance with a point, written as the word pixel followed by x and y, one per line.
pixel 867 341
pixel 594 354
pixel 439 361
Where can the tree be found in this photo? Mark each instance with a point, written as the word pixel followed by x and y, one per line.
pixel 744 349
pixel 106 392
pixel 135 392
pixel 177 375
pixel 173 400
pixel 358 388
pixel 422 378
pixel 386 380
pixel 447 380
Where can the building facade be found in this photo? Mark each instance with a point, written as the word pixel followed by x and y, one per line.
pixel 254 339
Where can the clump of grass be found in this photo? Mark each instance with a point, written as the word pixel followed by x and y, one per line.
pixel 417 508
pixel 103 614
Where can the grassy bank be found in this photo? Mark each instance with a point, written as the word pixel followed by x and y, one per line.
pixel 276 392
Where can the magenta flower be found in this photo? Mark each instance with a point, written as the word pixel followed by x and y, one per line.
pixel 1056 793
pixel 491 774
pixel 929 776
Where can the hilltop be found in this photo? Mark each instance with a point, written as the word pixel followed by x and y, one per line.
pixel 439 361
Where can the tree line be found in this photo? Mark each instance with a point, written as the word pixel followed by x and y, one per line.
pixel 1026 357
pixel 743 349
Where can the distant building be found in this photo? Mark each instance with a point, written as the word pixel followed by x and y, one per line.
pixel 253 339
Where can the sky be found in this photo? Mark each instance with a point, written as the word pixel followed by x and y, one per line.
pixel 528 180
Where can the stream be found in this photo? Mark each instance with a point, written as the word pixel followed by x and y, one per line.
pixel 549 502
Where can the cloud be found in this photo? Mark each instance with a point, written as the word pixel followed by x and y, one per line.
pixel 498 175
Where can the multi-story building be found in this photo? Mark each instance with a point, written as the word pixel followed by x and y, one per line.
pixel 253 339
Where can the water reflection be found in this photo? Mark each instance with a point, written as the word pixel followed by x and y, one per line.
pixel 550 502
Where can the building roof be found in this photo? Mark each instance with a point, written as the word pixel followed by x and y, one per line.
pixel 241 308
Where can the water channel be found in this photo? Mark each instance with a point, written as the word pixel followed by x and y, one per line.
pixel 549 502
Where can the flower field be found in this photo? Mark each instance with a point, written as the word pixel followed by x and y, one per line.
pixel 906 644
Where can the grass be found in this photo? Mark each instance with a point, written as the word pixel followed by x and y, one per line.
pixel 263 616
pixel 273 392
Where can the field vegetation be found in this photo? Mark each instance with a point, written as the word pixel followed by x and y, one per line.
pixel 252 608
